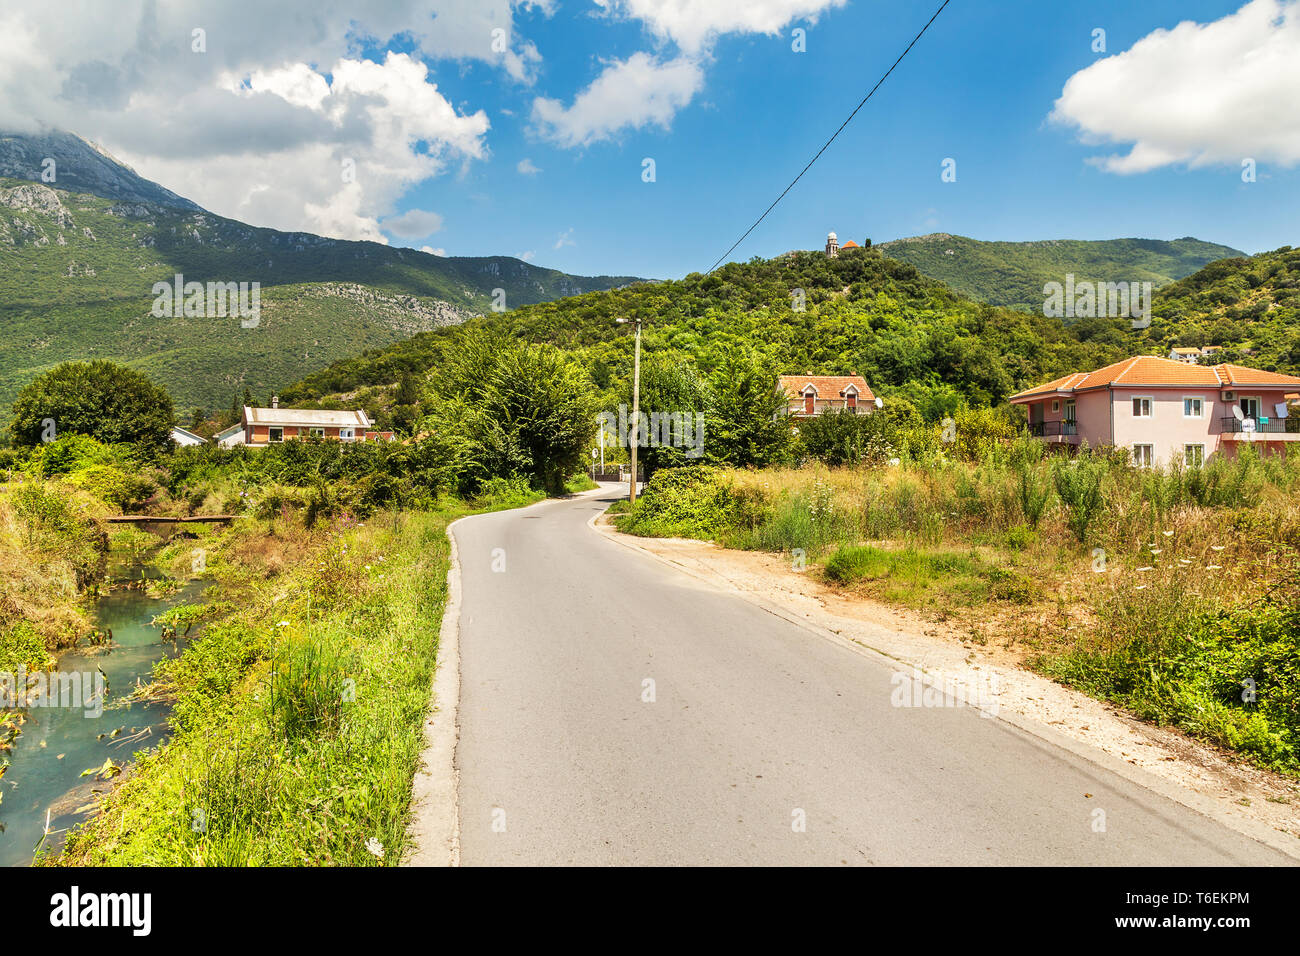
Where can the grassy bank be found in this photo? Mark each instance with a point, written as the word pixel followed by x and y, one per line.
pixel 299 709
pixel 53 549
pixel 1175 592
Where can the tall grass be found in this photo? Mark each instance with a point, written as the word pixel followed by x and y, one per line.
pixel 298 719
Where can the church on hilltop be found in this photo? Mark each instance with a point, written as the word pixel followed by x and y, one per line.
pixel 833 246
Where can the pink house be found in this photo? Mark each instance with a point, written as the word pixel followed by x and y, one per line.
pixel 1165 411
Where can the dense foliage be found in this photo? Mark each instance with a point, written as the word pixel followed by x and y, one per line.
pixel 101 399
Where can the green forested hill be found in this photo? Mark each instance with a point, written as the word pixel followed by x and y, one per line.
pixel 1014 273
pixel 864 313
pixel 77 272
pixel 912 337
pixel 1248 306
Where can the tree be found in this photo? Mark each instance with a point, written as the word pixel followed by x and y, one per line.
pixel 508 408
pixel 109 402
pixel 669 387
pixel 746 426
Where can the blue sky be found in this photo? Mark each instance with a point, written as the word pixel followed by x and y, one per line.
pixel 978 88
pixel 407 121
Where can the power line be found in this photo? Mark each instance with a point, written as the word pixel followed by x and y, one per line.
pixel 831 140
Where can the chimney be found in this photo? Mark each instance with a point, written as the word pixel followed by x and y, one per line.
pixel 275 401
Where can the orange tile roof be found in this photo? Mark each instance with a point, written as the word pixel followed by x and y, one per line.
pixel 849 245
pixel 828 386
pixel 1147 370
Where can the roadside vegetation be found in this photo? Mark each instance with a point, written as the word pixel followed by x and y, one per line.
pixel 298 711
pixel 298 704
pixel 1174 592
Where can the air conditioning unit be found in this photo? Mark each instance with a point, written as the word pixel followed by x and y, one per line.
pixel 1229 396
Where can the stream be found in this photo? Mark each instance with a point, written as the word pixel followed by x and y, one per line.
pixel 59 742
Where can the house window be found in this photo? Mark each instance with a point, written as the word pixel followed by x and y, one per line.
pixel 1250 407
pixel 1056 404
pixel 1193 408
pixel 275 434
pixel 1141 408
pixel 316 432
pixel 809 403
pixel 851 399
pixel 346 434
pixel 1143 455
pixel 1194 455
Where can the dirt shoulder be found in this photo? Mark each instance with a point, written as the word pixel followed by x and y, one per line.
pixel 1194 772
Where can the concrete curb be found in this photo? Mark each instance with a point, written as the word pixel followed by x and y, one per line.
pixel 1197 802
pixel 435 822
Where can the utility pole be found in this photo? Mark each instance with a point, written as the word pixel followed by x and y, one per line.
pixel 634 437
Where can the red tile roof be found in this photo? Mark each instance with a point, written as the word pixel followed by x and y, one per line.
pixel 828 386
pixel 1149 370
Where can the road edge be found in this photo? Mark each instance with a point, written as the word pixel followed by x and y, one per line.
pixel 434 829
pixel 1199 803
pixel 434 826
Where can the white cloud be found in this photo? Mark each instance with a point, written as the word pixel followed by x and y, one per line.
pixel 528 256
pixel 565 239
pixel 1199 94
pixel 527 167
pixel 259 124
pixel 369 132
pixel 413 224
pixel 694 24
pixel 630 93
pixel 434 252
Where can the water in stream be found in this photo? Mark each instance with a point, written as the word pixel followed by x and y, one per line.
pixel 58 743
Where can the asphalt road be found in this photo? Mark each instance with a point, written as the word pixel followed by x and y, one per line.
pixel 756 725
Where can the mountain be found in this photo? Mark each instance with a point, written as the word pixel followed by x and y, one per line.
pixel 1014 273
pixel 79 167
pixel 79 259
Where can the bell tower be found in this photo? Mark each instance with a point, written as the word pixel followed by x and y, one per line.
pixel 832 245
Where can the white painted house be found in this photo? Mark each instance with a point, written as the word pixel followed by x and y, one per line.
pixel 186 438
pixel 230 437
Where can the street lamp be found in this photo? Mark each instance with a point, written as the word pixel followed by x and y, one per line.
pixel 634 438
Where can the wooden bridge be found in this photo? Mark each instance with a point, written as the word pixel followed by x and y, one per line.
pixel 160 519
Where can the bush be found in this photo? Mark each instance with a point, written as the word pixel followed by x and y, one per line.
pixel 692 502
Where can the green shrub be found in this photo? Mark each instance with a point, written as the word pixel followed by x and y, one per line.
pixel 1228 676
pixel 691 502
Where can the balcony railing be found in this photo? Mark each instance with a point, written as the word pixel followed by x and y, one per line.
pixel 1052 429
pixel 829 406
pixel 1274 426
